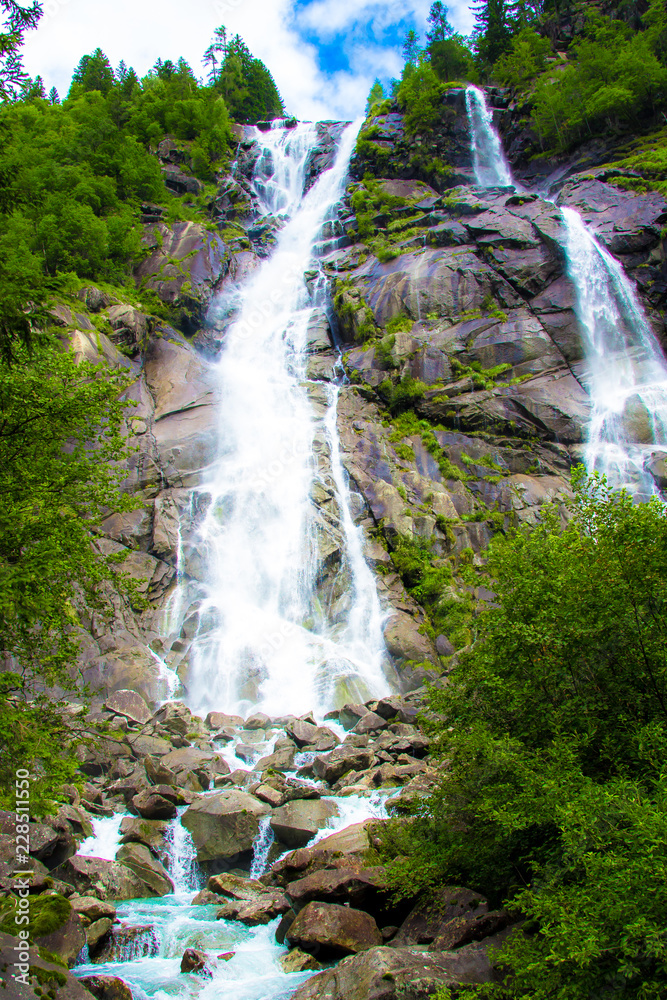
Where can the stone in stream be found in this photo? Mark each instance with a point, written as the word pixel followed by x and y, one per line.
pixel 224 825
pixel 97 933
pixel 90 909
pixel 365 888
pixel 128 943
pixel 150 804
pixel 299 961
pixel 151 832
pixel 340 761
pixel 297 822
pixel 65 936
pixel 107 987
pixel 195 961
pixel 306 734
pixel 334 930
pixel 350 844
pixel 138 858
pixel 371 722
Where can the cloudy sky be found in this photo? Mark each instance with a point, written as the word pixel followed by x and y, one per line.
pixel 324 54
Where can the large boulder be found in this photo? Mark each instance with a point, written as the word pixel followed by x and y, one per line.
pixel 393 974
pixel 103 879
pixel 138 858
pixel 150 804
pixel 349 845
pixel 341 760
pixel 224 825
pixel 183 252
pixel 58 928
pixel 107 987
pixel 297 822
pixel 355 886
pixel 333 930
pixel 425 921
pixel 30 973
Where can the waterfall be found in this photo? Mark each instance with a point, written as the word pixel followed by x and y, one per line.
pixel 267 640
pixel 626 372
pixel 491 167
pixel 182 857
pixel 105 838
pixel 261 847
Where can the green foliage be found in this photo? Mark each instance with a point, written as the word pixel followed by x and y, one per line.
pixel 482 378
pixel 451 59
pixel 419 96
pixel 375 98
pixel 47 914
pixel 54 488
pixel 17 19
pixel 400 324
pixel 554 732
pixel 524 61
pixel 614 80
pixel 248 89
pixel 403 395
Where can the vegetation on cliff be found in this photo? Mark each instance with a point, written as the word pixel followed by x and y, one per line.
pixel 552 741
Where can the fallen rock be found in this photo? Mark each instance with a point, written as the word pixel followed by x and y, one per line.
pixel 297 822
pixel 362 889
pixel 97 933
pixel 225 824
pixel 107 987
pixel 425 920
pixel 341 760
pixel 130 705
pixel 151 805
pixel 138 858
pixel 334 930
pixel 92 909
pixel 299 961
pixel 194 961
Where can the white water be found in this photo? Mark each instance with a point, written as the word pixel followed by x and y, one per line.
pixel 354 809
pixel 261 847
pixel 626 372
pixel 491 167
pixel 265 640
pixel 105 838
pixel 182 858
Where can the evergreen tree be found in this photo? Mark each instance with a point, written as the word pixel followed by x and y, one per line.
pixel 492 29
pixel 440 26
pixel 54 97
pixel 94 72
pixel 247 86
pixel 411 47
pixel 16 21
pixel 376 96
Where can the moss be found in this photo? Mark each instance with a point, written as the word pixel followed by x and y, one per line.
pixel 400 324
pixel 48 977
pixel 47 914
pixel 405 452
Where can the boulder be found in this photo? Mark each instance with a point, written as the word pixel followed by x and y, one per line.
pixel 129 942
pixel 138 858
pixel 65 935
pixel 349 844
pixel 91 909
pixel 341 760
pixel 97 933
pixel 193 768
pixel 395 973
pixel 264 908
pixel 306 734
pixel 47 977
pixel 297 822
pixel 299 961
pixel 107 987
pixel 362 887
pixel 193 961
pixel 334 930
pixel 225 824
pixel 151 805
pixel 371 722
pixel 130 705
pixel 151 832
pixel 425 921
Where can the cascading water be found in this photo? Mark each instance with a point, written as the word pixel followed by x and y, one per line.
pixel 104 840
pixel 266 639
pixel 491 167
pixel 626 372
pixel 182 857
pixel 261 847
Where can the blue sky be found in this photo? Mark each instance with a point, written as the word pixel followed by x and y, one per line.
pixel 324 54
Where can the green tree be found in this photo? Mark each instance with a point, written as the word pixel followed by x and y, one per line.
pixel 418 95
pixel 440 26
pixel 493 32
pixel 554 733
pixel 375 97
pixel 411 48
pixel 94 72
pixel 525 60
pixel 451 59
pixel 17 19
pixel 55 488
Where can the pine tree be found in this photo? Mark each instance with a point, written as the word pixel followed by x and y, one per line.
pixel 17 20
pixel 492 29
pixel 440 26
pixel 376 96
pixel 411 47
pixel 54 97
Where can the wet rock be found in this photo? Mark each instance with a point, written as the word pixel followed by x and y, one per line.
pixel 151 805
pixel 299 961
pixel 257 721
pixel 340 761
pixel 129 704
pixel 91 909
pixel 297 822
pixel 361 888
pixel 469 927
pixel 138 858
pixel 350 843
pixel 224 825
pixel 127 943
pixel 107 987
pixel 371 722
pixel 163 269
pixel 150 832
pixel 334 930
pixel 97 933
pixel 306 734
pixel 264 908
pixel 194 961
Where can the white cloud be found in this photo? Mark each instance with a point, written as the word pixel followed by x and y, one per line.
pixel 140 31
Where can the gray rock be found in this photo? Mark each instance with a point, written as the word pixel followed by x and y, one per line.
pixel 334 930
pixel 225 824
pixel 297 822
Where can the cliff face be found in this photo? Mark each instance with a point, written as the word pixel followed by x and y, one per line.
pixel 464 410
